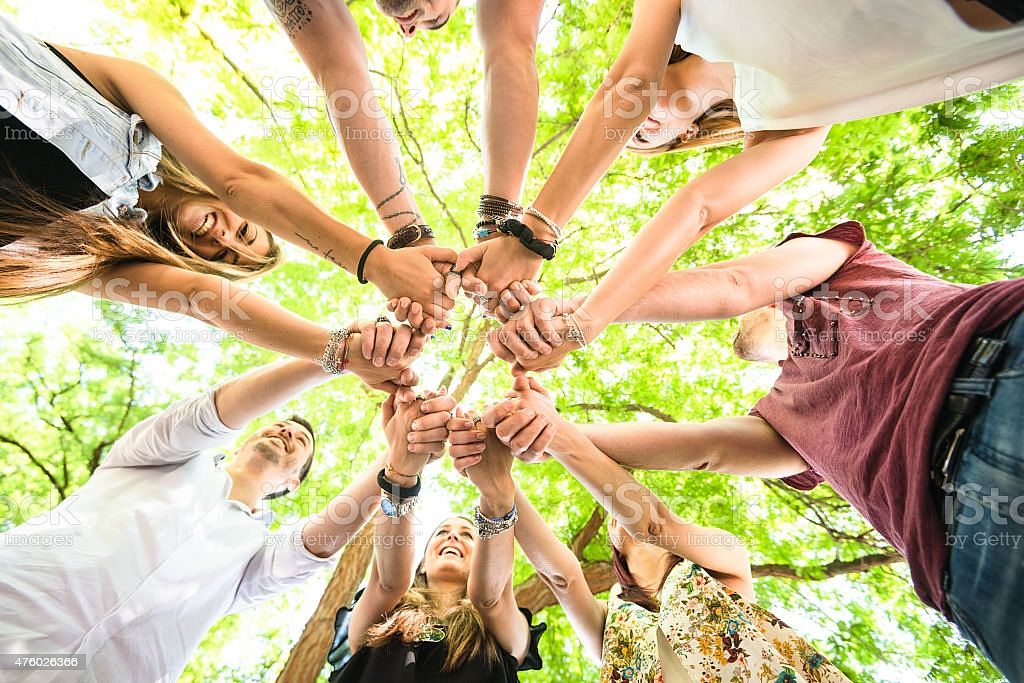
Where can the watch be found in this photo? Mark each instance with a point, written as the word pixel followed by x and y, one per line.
pixel 396 508
pixel 410 234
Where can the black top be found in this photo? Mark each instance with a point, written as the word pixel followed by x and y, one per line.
pixel 26 159
pixel 422 662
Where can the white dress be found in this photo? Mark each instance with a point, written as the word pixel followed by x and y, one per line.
pixel 802 63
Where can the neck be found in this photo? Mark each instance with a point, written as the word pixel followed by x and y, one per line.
pixel 161 195
pixel 447 591
pixel 647 565
pixel 246 486
pixel 707 82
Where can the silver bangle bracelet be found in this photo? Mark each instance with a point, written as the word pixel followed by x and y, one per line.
pixel 546 221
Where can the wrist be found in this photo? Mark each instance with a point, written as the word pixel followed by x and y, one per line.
pixel 375 263
pixel 497 504
pixel 401 472
pixel 540 229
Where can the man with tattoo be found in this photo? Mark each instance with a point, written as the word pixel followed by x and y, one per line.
pixel 328 39
pixel 508 34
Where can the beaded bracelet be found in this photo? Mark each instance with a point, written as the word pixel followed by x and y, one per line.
pixel 329 361
pixel 487 527
pixel 574 332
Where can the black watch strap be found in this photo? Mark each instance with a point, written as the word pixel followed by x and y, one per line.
pixel 396 491
pixel 410 234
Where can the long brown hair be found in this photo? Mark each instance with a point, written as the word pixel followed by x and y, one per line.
pixel 719 125
pixel 423 607
pixel 52 248
pixel 633 591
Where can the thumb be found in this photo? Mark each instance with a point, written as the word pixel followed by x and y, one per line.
pixel 440 254
pixel 538 387
pixel 470 256
pixel 521 383
pixel 387 408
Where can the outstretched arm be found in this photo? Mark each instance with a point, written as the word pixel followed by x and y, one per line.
pixel 257 193
pixel 716 291
pixel 327 38
pixel 508 35
pixel 635 507
pixel 560 571
pixel 257 392
pixel 409 449
pixel 771 158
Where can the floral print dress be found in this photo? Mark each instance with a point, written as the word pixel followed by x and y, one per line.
pixel 715 633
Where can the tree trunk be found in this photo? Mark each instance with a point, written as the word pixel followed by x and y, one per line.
pixel 310 651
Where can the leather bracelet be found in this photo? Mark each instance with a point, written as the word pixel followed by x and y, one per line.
pixel 362 261
pixel 524 234
pixel 396 491
pixel 410 234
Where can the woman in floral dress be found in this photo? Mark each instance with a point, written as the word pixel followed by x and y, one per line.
pixel 683 607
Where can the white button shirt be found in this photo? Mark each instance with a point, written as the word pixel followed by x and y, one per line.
pixel 134 568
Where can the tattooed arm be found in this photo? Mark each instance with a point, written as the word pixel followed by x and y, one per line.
pixel 328 40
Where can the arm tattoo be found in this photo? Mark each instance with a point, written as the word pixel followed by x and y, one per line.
pixel 329 254
pixel 291 14
pixel 403 186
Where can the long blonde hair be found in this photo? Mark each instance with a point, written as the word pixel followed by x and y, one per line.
pixel 422 608
pixel 719 125
pixel 54 249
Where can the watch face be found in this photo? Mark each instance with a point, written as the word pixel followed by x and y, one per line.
pixel 388 507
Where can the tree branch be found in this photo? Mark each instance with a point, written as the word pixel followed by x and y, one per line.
pixel 534 595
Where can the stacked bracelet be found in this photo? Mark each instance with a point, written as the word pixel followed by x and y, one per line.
pixel 497 207
pixel 332 360
pixel 574 332
pixel 487 527
pixel 542 248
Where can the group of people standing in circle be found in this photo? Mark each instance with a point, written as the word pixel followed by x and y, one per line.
pixel 113 187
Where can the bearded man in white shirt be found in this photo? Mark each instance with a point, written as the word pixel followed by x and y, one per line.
pixel 167 536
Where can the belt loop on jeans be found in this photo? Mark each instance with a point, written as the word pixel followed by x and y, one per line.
pixel 980 362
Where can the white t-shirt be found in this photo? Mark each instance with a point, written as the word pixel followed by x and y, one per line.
pixel 803 63
pixel 133 568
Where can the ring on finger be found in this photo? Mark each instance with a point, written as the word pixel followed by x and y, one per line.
pixel 383 318
pixel 421 397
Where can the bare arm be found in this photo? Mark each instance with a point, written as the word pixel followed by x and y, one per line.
pixel 560 571
pixel 215 301
pixel 394 545
pixel 508 35
pixel 618 107
pixel 635 507
pixel 327 38
pixel 490 579
pixel 731 288
pixel 694 210
pixel 744 445
pixel 259 391
pixel 255 192
pixel 329 530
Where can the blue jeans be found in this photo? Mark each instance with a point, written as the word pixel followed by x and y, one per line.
pixel 985 579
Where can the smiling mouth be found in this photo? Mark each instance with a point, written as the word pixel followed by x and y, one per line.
pixel 284 445
pixel 209 220
pixel 451 552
